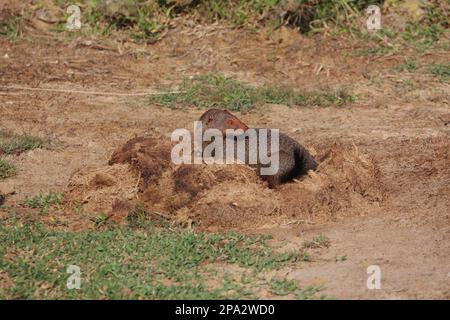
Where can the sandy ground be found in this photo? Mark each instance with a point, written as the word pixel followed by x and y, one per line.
pixel 404 132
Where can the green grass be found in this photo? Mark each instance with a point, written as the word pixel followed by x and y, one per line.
pixel 151 17
pixel 341 258
pixel 133 263
pixel 440 70
pixel 16 144
pixel 218 91
pixel 409 65
pixel 11 28
pixel 6 169
pixel 404 86
pixel 310 292
pixel 43 201
pixel 147 21
pixel 418 36
pixel 421 36
pixel 338 13
pixel 142 22
pixel 238 12
pixel 283 287
pixel 319 241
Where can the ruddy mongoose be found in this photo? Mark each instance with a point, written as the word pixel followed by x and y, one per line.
pixel 294 159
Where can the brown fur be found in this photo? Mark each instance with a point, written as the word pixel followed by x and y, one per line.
pixel 294 159
pixel 222 120
pixel 150 156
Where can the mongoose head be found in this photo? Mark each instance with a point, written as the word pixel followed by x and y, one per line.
pixel 222 120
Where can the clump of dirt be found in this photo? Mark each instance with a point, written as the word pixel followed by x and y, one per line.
pixel 218 197
pixel 346 182
pixel 96 190
pixel 148 155
pixel 9 10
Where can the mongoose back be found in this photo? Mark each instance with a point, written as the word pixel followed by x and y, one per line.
pixel 294 159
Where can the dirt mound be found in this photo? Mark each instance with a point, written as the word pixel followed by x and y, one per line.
pixel 9 9
pixel 346 182
pixel 224 196
pixel 96 190
pixel 148 155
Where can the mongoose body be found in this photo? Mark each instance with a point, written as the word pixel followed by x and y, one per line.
pixel 294 159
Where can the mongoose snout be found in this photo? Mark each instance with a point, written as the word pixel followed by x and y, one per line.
pixel 222 120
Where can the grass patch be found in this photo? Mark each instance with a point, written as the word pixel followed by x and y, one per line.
pixel 421 36
pixel 129 264
pixel 238 12
pixel 341 14
pixel 409 66
pixel 6 169
pixel 148 18
pixel 309 293
pixel 404 86
pixel 319 241
pixel 442 71
pixel 16 144
pixel 218 91
pixel 11 28
pixel 418 37
pixel 147 21
pixel 43 201
pixel 283 287
pixel 141 21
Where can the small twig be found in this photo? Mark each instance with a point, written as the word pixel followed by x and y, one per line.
pixel 137 183
pixel 88 92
